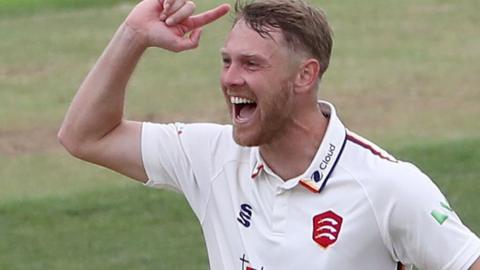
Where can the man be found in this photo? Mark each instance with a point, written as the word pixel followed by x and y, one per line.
pixel 286 186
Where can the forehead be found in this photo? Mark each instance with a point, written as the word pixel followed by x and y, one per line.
pixel 243 40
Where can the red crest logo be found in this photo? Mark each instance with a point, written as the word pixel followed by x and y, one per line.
pixel 326 227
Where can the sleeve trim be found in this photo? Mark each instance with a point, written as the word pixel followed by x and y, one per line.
pixel 150 182
pixel 466 256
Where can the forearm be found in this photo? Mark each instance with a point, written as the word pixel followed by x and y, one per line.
pixel 98 106
pixel 93 128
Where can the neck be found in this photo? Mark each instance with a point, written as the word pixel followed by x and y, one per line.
pixel 290 154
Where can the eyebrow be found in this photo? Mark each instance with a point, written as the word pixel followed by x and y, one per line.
pixel 245 55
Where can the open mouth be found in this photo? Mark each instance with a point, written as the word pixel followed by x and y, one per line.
pixel 243 109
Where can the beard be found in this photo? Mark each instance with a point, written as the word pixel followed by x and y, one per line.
pixel 274 115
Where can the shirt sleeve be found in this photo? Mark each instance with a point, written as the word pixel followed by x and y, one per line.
pixel 422 228
pixel 180 157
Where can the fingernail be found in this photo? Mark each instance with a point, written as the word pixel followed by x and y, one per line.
pixel 169 21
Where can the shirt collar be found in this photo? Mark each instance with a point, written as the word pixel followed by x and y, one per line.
pixel 316 176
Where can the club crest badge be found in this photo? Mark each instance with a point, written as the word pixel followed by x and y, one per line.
pixel 326 228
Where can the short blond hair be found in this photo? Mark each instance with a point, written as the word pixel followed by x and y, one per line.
pixel 304 27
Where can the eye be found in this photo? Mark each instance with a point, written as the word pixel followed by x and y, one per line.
pixel 226 61
pixel 252 65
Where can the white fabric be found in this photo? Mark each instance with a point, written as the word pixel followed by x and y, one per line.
pixel 251 219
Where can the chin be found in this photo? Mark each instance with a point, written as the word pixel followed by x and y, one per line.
pixel 248 140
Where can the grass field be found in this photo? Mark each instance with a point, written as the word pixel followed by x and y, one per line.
pixel 403 73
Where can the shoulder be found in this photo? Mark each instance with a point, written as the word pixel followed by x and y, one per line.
pixel 192 128
pixel 365 159
pixel 384 179
pixel 396 190
pixel 201 143
pixel 197 134
pixel 214 138
pixel 415 220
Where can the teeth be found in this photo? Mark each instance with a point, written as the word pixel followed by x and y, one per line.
pixel 239 100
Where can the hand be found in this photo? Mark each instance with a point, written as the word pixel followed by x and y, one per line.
pixel 165 23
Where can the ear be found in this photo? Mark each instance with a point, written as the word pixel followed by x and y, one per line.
pixel 308 74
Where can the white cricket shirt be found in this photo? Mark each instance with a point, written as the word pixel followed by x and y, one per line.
pixel 355 207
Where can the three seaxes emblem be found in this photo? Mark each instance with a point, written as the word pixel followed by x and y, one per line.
pixel 326 227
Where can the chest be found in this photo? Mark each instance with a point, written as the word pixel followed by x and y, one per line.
pixel 265 225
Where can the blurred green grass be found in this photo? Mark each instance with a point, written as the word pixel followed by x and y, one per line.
pixel 119 228
pixel 404 73
pixel 29 7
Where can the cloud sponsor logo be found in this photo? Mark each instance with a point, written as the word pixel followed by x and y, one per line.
pixel 318 175
pixel 326 228
pixel 326 160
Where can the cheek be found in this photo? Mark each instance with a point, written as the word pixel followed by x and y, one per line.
pixel 282 97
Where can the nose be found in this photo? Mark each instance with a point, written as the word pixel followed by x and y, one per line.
pixel 231 76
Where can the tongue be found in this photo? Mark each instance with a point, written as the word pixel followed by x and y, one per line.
pixel 246 110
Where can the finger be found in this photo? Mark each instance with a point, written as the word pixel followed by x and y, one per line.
pixel 207 16
pixel 195 36
pixel 189 42
pixel 181 14
pixel 167 4
pixel 173 6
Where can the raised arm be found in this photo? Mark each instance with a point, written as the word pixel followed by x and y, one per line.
pixel 94 129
